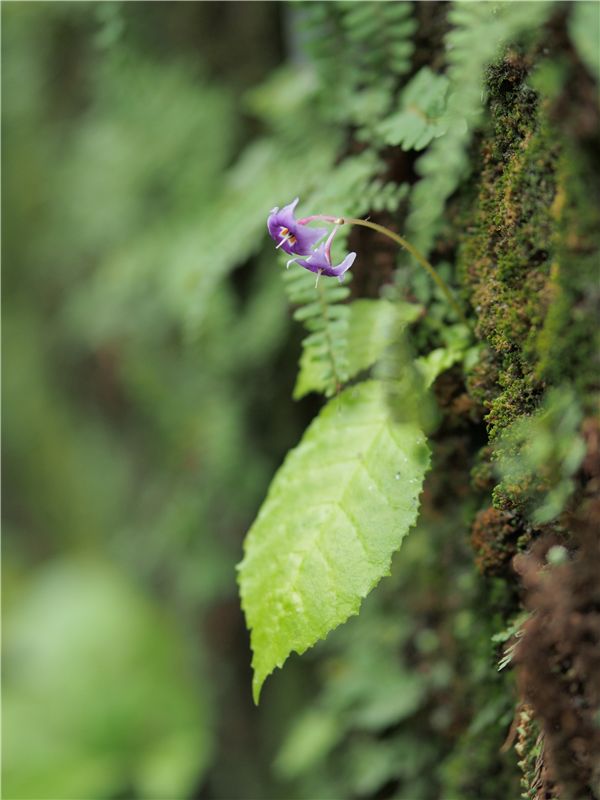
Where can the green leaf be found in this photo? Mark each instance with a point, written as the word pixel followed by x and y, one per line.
pixel 312 737
pixel 459 348
pixel 537 456
pixel 336 511
pixel 420 118
pixel 437 361
pixel 373 326
pixel 584 28
pixel 324 349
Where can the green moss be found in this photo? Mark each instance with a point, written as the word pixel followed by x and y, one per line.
pixel 519 394
pixel 530 257
pixel 506 256
pixel 529 266
pixel 568 347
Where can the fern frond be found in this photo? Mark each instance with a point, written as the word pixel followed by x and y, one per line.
pixel 381 34
pixel 324 351
pixel 355 188
pixel 420 118
pixel 359 50
pixel 478 34
pixel 324 40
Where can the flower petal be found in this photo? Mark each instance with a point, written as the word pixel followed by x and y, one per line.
pixel 319 262
pixel 298 240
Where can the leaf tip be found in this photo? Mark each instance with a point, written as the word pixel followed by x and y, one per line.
pixel 257 684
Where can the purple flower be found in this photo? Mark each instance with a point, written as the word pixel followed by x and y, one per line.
pixel 290 234
pixel 320 261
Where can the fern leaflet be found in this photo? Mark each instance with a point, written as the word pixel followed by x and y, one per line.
pixel 321 312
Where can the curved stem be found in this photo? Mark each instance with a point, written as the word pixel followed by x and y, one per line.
pixel 414 253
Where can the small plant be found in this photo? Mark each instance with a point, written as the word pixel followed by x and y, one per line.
pixel 294 237
pixel 347 495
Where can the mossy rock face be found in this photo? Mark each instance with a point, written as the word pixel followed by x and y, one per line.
pixel 529 261
pixel 506 256
pixel 568 347
pixel 529 258
pixel 494 538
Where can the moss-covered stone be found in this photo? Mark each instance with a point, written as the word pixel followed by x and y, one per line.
pixel 529 260
pixel 529 266
pixel 568 347
pixel 495 537
pixel 506 256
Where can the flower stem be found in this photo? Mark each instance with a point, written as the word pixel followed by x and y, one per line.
pixel 414 253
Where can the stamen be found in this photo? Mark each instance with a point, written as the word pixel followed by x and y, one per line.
pixel 318 276
pixel 283 241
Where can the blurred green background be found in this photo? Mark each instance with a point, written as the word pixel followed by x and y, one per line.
pixel 142 418
pixel 149 362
